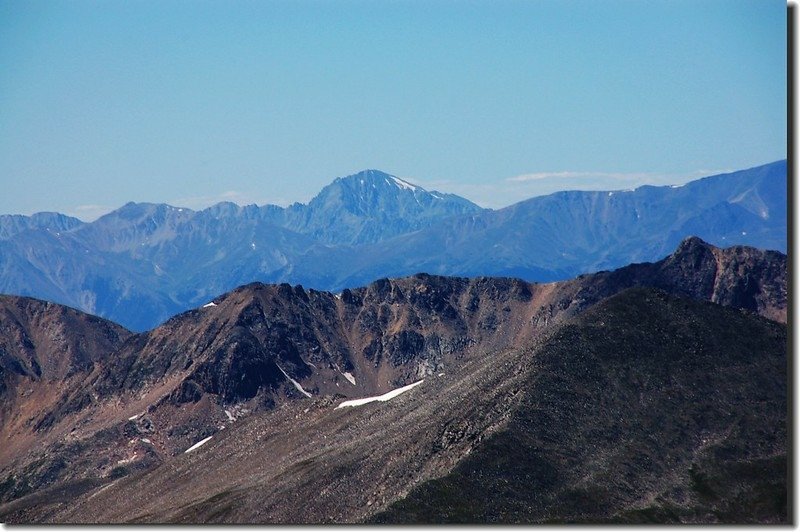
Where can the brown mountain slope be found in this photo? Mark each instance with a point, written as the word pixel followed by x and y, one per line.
pixel 260 346
pixel 645 407
pixel 384 335
pixel 44 349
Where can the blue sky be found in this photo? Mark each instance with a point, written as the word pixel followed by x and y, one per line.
pixel 193 102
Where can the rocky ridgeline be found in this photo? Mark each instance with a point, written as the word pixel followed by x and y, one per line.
pixel 106 403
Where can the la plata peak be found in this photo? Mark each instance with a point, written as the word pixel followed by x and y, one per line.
pixel 387 183
pixel 376 178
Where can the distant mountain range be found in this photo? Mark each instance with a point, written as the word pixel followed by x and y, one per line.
pixel 142 263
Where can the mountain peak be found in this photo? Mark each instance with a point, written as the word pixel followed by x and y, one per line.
pixel 377 179
pixel 691 243
pixel 371 206
pixel 133 211
pixel 13 224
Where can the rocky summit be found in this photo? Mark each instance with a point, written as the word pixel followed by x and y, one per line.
pixel 651 393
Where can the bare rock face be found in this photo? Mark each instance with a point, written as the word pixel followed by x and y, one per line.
pixel 739 276
pixel 125 403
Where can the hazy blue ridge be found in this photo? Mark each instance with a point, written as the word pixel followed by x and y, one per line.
pixel 142 263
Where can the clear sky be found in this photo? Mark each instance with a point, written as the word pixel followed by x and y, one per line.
pixel 193 102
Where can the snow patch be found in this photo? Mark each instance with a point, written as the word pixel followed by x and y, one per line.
pixel 230 416
pixel 133 417
pixel 212 304
pixel 127 460
pixel 103 489
pixel 403 184
pixel 145 440
pixel 338 296
pixel 296 384
pixel 198 444
pixel 384 397
pixel 349 376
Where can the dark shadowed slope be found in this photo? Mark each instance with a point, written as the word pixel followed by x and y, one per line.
pixel 647 408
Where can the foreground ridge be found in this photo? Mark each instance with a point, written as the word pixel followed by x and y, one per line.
pixel 236 372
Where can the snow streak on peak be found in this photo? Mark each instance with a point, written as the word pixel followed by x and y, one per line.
pixel 403 184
